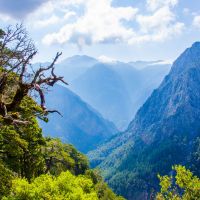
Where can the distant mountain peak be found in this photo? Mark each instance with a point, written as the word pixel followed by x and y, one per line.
pixel 79 58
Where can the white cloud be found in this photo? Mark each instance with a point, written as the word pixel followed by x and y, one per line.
pixel 186 11
pixel 106 59
pixel 156 4
pixel 159 35
pixel 196 21
pixel 52 20
pixel 55 13
pixel 159 26
pixel 5 18
pixel 46 22
pixel 162 62
pixel 99 22
pixel 69 14
pixel 160 19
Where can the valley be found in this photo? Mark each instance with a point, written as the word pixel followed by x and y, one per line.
pixel 164 132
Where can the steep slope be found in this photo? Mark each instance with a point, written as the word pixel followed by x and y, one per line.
pixel 104 89
pixel 117 90
pixel 126 85
pixel 80 125
pixel 140 82
pixel 164 132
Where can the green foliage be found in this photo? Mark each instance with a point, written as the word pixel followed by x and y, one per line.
pixel 186 187
pixel 61 157
pixel 105 193
pixel 2 33
pixel 27 153
pixel 65 186
pixel 21 146
pixel 132 171
pixel 6 177
pixel 194 162
pixel 102 189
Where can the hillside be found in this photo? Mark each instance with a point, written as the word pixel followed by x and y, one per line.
pixel 104 89
pixel 164 132
pixel 80 125
pixel 117 89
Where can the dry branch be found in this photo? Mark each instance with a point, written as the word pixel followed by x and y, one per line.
pixel 16 54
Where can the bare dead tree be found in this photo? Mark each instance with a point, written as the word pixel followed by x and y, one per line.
pixel 16 53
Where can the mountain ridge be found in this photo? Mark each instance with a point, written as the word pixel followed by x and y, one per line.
pixel 118 85
pixel 162 133
pixel 80 125
pixel 136 85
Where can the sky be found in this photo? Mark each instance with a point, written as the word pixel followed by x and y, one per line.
pixel 126 30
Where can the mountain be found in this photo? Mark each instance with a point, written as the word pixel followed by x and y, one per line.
pixel 74 66
pixel 80 125
pixel 150 78
pixel 117 89
pixel 104 89
pixel 164 132
pixel 140 82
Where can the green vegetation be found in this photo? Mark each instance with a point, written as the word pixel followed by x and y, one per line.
pixel 186 186
pixel 60 157
pixel 32 166
pixel 64 186
pixel 20 145
pixel 135 172
pixel 6 177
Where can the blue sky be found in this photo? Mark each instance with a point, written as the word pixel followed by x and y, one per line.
pixel 110 29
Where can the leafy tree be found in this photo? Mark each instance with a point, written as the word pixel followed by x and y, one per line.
pixel 102 189
pixel 6 177
pixel 186 186
pixel 65 186
pixel 194 161
pixel 20 146
pixel 21 138
pixel 18 79
pixel 61 157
